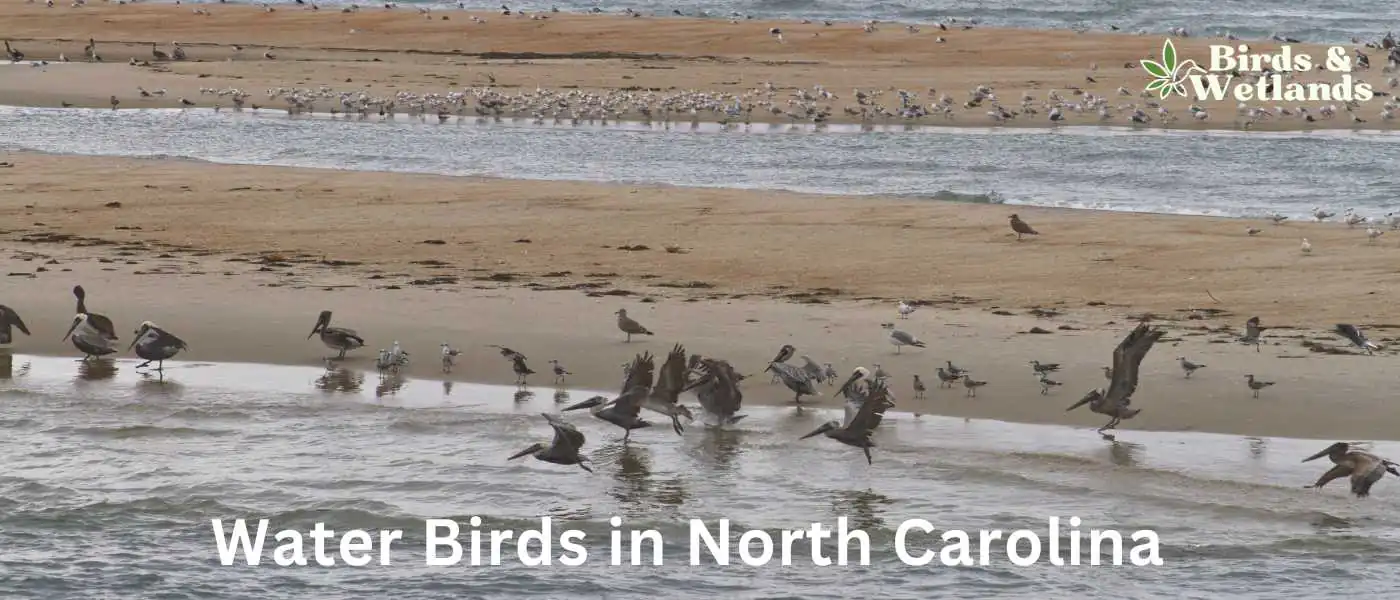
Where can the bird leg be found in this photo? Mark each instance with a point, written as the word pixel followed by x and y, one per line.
pixel 1111 424
pixel 629 339
pixel 868 459
pixel 676 424
pixel 142 365
pixel 896 349
pixel 627 436
pixel 583 466
pixel 341 356
pixel 797 399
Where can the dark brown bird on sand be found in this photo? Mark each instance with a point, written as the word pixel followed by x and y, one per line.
pixel 1021 228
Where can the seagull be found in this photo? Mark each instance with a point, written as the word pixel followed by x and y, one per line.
pixel 155 345
pixel 919 388
pixel 972 385
pixel 559 372
pixel 1188 366
pixel 564 450
pixel 335 338
pixel 906 309
pixel 946 379
pixel 1372 233
pixel 522 371
pixel 1364 468
pixel 1321 215
pixel 829 374
pixel 901 339
pixel 1046 383
pixel 1116 402
pixel 1042 369
pixel 629 326
pixel 1252 230
pixel 954 370
pixel 1306 247
pixel 1255 384
pixel 10 319
pixel 1353 334
pixel 1021 228
pixel 449 357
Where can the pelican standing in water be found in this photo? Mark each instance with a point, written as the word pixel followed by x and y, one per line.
pixel 1364 468
pixel 9 319
pixel 336 338
pixel 625 410
pixel 89 338
pixel 718 392
pixel 564 450
pixel 1127 357
pixel 665 395
pixel 784 353
pixel 796 380
pixel 629 326
pixel 155 345
pixel 860 421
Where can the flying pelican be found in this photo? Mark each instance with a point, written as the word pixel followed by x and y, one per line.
pixel 629 326
pixel 449 357
pixel 559 372
pixel 1127 358
pixel 718 392
pixel 335 338
pixel 1364 468
pixel 625 410
pixel 89 338
pixel 564 450
pixel 665 395
pixel 860 373
pixel 8 319
pixel 796 380
pixel 1021 227
pixel 860 421
pixel 901 339
pixel 155 345
pixel 1353 334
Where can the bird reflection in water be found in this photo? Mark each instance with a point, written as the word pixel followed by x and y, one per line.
pixel 719 448
pixel 7 367
pixel 1124 454
pixel 1256 447
pixel 99 369
pixel 636 489
pixel 155 384
pixel 523 394
pixel 446 388
pixel 561 395
pixel 390 382
pixel 340 379
pixel 862 508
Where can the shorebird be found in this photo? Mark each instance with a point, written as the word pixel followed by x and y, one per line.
pixel 522 371
pixel 397 356
pixel 10 319
pixel 1188 366
pixel 901 339
pixel 954 370
pixel 383 361
pixel 559 371
pixel 507 352
pixel 1256 385
pixel 155 345
pixel 879 372
pixel 946 379
pixel 564 450
pixel 449 357
pixel 919 388
pixel 1108 373
pixel 89 337
pixel 1116 402
pixel 1364 468
pixel 625 410
pixel 157 53
pixel 718 392
pixel 666 394
pixel 861 420
pixel 1042 369
pixel 1046 383
pixel 1372 233
pixel 176 52
pixel 795 379
pixel 1305 247
pixel 858 375
pixel 336 338
pixel 829 374
pixel 906 309
pixel 972 385
pixel 629 326
pixel 1021 228
pixel 1353 334
pixel 1321 215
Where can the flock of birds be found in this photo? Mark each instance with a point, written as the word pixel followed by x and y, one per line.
pixel 715 383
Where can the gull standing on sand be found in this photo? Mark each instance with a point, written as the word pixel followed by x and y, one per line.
pixel 954 370
pixel 629 326
pixel 10 319
pixel 1306 246
pixel 1116 402
pixel 1041 369
pixel 901 339
pixel 155 345
pixel 1253 333
pixel 1364 468
pixel 919 388
pixel 559 371
pixel 829 374
pixel 1188 366
pixel 449 357
pixel 1021 228
pixel 1321 215
pixel 1372 233
pixel 1046 383
pixel 972 385
pixel 1354 335
pixel 946 379
pixel 336 338
pixel 1256 385
pixel 564 450
pixel 906 309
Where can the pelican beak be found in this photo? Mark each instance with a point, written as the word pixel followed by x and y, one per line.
pixel 583 466
pixel 321 322
pixel 589 403
pixel 846 386
pixel 685 411
pixel 132 344
pixel 1319 454
pixel 525 452
pixel 819 431
pixel 1089 397
pixel 70 330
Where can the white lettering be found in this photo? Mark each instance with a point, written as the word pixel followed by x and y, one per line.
pixel 238 538
pixel 719 551
pixel 434 540
pixel 901 534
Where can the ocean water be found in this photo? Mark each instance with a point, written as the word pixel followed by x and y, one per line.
pixel 112 479
pixel 1223 173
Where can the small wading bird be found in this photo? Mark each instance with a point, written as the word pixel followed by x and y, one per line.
pixel 155 345
pixel 1127 357
pixel 1188 367
pixel 559 372
pixel 10 319
pixel 901 339
pixel 522 370
pixel 861 420
pixel 718 392
pixel 629 326
pixel 336 338
pixel 1046 383
pixel 1256 385
pixel 1364 468
pixel 564 450
pixel 1021 228
pixel 449 357
pixel 625 410
pixel 1354 335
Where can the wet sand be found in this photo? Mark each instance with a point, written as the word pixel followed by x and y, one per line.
pixel 381 53
pixel 238 261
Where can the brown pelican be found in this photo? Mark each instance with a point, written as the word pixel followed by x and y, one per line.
pixel 784 354
pixel 10 319
pixel 1021 228
pixel 102 323
pixel 14 53
pixel 335 338
pixel 665 395
pixel 625 410
pixel 718 392
pixel 796 380
pixel 1353 334
pixel 155 345
pixel 564 450
pixel 860 421
pixel 857 375
pixel 1127 357
pixel 89 338
pixel 1364 468
pixel 629 326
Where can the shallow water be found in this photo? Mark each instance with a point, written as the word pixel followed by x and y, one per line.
pixel 1215 173
pixel 112 478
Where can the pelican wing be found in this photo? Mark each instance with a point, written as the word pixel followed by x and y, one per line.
pixel 794 378
pixel 8 316
pixel 719 394
pixel 1126 360
pixel 103 325
pixel 167 339
pixel 672 378
pixel 566 436
pixel 1353 334
pixel 814 371
pixel 871 412
pixel 639 373
pixel 348 334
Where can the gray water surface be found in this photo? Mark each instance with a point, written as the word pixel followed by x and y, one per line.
pixel 1186 172
pixel 112 477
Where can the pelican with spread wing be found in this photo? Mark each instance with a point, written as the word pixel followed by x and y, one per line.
pixel 1117 401
pixel 1364 468
pixel 861 420
pixel 564 450
pixel 718 392
pixel 625 410
pixel 666 394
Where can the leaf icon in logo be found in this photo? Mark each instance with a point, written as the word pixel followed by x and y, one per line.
pixel 1169 56
pixel 1155 69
